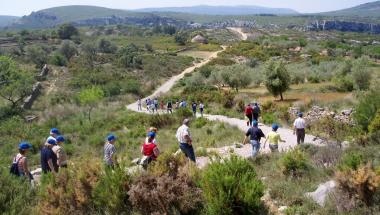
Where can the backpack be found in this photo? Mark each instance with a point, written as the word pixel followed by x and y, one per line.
pixel 14 167
pixel 248 110
pixel 256 110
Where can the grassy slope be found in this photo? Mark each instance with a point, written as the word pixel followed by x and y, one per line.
pixel 371 9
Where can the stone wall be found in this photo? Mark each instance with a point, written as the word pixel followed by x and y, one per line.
pixel 36 91
pixel 316 113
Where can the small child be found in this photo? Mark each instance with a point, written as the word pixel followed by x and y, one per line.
pixel 274 138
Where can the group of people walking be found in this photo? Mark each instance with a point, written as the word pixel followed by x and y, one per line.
pixel 53 156
pixel 153 105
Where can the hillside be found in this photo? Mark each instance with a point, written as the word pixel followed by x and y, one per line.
pixel 58 15
pixel 371 9
pixel 223 10
pixel 6 20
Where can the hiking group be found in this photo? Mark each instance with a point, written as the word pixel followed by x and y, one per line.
pixel 153 106
pixel 53 156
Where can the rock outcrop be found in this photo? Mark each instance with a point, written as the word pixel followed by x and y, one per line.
pixel 323 190
pixel 317 113
pixel 36 91
pixel 327 25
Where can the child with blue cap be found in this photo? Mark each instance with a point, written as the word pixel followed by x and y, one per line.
pixel 109 151
pixel 274 138
pixel 60 152
pixel 20 163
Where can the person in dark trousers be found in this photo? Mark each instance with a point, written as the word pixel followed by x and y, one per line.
pixel 194 107
pixel 299 128
pixel 185 140
pixel 48 158
pixel 169 107
pixel 201 108
pixel 256 112
pixel 255 135
pixel 249 114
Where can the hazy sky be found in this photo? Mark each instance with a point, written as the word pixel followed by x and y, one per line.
pixel 25 7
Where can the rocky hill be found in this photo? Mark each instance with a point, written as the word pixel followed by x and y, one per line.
pixel 371 9
pixel 6 20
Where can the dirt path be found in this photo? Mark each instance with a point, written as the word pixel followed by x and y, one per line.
pixel 246 150
pixel 243 35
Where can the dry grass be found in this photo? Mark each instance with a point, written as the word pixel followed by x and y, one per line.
pixel 196 54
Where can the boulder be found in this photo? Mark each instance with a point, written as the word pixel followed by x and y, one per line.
pixel 36 91
pixel 199 39
pixel 323 190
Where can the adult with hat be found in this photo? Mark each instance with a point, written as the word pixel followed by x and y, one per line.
pixel 20 163
pixel 255 134
pixel 185 140
pixel 60 152
pixel 274 138
pixel 299 128
pixel 48 158
pixel 109 151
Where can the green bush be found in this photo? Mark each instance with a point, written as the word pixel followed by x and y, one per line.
pixel 200 122
pixel 16 196
pixel 183 113
pixel 367 108
pixel 58 60
pixel 269 118
pixel 294 163
pixel 232 187
pixel 110 193
pixel 351 161
pixel 375 124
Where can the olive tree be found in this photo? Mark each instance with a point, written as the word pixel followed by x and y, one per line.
pixel 361 74
pixel 89 97
pixel 277 78
pixel 15 84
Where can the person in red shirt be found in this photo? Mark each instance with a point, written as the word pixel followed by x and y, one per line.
pixel 249 113
pixel 149 150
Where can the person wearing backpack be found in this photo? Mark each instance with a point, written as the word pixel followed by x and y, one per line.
pixel 149 150
pixel 249 114
pixel 48 158
pixel 255 135
pixel 256 112
pixel 60 152
pixel 20 163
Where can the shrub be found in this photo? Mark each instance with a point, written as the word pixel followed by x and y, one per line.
pixel 375 124
pixel 361 183
pixel 165 195
pixel 327 156
pixel 367 108
pixel 294 163
pixel 200 122
pixel 351 161
pixel 160 121
pixel 58 60
pixel 110 193
pixel 16 196
pixel 69 192
pixel 183 113
pixel 269 118
pixel 232 187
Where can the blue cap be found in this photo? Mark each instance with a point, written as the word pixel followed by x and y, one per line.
pixel 255 123
pixel 52 141
pixel 24 145
pixel 151 134
pixel 60 139
pixel 111 137
pixel 300 114
pixel 275 127
pixel 54 131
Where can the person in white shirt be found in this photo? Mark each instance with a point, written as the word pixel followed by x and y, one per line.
pixel 139 105
pixel 185 142
pixel 299 128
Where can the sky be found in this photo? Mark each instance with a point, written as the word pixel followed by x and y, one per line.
pixel 25 7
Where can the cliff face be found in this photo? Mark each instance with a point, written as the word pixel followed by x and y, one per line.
pixel 327 25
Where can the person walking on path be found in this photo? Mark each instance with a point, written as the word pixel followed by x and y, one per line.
pixel 110 151
pixel 20 162
pixel 162 105
pixel 249 114
pixel 149 150
pixel 274 138
pixel 177 104
pixel 256 112
pixel 185 142
pixel 169 107
pixel 299 128
pixel 201 108
pixel 155 102
pixel 147 102
pixel 48 158
pixel 255 135
pixel 60 152
pixel 194 107
pixel 139 105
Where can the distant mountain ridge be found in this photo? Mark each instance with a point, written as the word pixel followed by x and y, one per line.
pixel 7 20
pixel 370 9
pixel 223 10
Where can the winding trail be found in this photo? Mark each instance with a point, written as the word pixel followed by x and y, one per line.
pixel 245 150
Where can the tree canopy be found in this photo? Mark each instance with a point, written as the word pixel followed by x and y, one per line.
pixel 277 78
